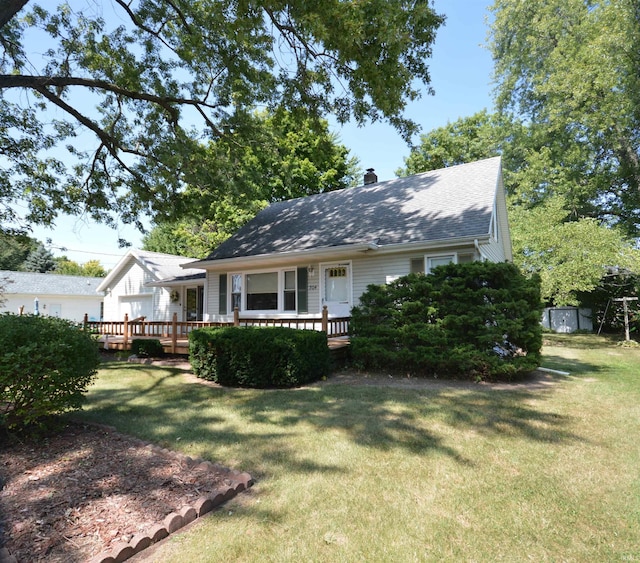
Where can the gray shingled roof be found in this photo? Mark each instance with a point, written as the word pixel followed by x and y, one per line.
pixel 33 283
pixel 448 203
pixel 163 266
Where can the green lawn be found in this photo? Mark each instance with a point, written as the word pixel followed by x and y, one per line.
pixel 361 473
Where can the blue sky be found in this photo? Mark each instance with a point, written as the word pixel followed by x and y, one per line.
pixel 461 70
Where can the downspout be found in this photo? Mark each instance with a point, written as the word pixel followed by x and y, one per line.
pixel 477 246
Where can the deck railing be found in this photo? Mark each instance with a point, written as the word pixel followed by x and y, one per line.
pixel 179 330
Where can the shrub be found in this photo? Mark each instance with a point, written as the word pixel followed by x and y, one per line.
pixel 479 320
pixel 46 365
pixel 147 348
pixel 259 357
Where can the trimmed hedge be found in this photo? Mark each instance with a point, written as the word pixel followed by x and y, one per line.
pixel 46 366
pixel 478 321
pixel 147 348
pixel 259 357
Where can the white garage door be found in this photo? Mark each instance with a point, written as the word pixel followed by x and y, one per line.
pixel 136 306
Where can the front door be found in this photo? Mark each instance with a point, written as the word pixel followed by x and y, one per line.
pixel 336 290
pixel 195 302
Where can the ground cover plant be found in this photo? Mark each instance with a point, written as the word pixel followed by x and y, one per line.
pixel 416 471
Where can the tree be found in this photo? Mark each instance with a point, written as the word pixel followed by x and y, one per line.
pixel 164 75
pixel 40 259
pixel 567 78
pixel 570 253
pixel 91 268
pixel 290 156
pixel 14 250
pixel 465 140
pixel 571 257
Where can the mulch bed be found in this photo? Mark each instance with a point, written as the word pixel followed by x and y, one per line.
pixel 75 493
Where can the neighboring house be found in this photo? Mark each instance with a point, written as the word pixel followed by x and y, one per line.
pixel 67 297
pixel 299 255
pixel 132 288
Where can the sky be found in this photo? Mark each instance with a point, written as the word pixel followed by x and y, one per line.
pixel 460 70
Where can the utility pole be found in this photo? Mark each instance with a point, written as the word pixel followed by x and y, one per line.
pixel 625 301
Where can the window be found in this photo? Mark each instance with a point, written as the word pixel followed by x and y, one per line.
pixel 435 261
pixel 336 286
pixel 290 290
pixel 262 292
pixel 236 291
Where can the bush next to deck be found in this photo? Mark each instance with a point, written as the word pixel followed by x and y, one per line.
pixel 479 320
pixel 147 347
pixel 46 366
pixel 259 357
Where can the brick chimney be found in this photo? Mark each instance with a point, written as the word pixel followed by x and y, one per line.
pixel 370 177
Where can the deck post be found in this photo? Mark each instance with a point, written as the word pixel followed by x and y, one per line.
pixel 85 321
pixel 325 320
pixel 174 333
pixel 236 317
pixel 125 332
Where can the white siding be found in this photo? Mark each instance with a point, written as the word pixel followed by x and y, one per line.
pixel 70 307
pixel 376 270
pixel 131 284
pixel 493 251
pixel 212 306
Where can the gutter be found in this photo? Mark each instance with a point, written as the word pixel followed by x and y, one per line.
pixel 329 252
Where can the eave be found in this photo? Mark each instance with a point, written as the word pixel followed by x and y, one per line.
pixel 331 253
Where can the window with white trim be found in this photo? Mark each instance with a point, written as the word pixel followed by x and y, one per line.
pixel 441 260
pixel 262 291
pixel 236 291
pixel 274 291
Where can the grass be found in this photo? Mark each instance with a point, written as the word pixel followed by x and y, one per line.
pixel 448 472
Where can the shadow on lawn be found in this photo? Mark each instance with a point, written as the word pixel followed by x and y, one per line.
pixel 164 408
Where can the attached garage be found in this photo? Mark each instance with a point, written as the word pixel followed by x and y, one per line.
pixel 135 306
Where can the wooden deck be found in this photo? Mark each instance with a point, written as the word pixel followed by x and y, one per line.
pixel 338 346
pixel 174 334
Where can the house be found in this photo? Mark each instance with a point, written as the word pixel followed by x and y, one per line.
pixel 133 288
pixel 297 256
pixel 67 297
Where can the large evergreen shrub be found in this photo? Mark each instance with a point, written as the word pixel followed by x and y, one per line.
pixel 259 357
pixel 479 320
pixel 46 365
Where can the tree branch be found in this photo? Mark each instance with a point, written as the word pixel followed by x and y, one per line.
pixel 166 102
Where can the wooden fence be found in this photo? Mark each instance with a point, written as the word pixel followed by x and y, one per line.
pixel 176 330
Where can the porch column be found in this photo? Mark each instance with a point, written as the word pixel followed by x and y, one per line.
pixel 325 320
pixel 236 316
pixel 174 333
pixel 125 332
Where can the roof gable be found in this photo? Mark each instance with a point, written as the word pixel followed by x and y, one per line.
pixel 159 265
pixel 437 205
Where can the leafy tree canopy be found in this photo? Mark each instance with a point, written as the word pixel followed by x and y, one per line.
pixel 567 79
pixel 14 250
pixel 288 157
pixel 570 253
pixel 465 140
pixel 130 90
pixel 571 257
pixel 91 268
